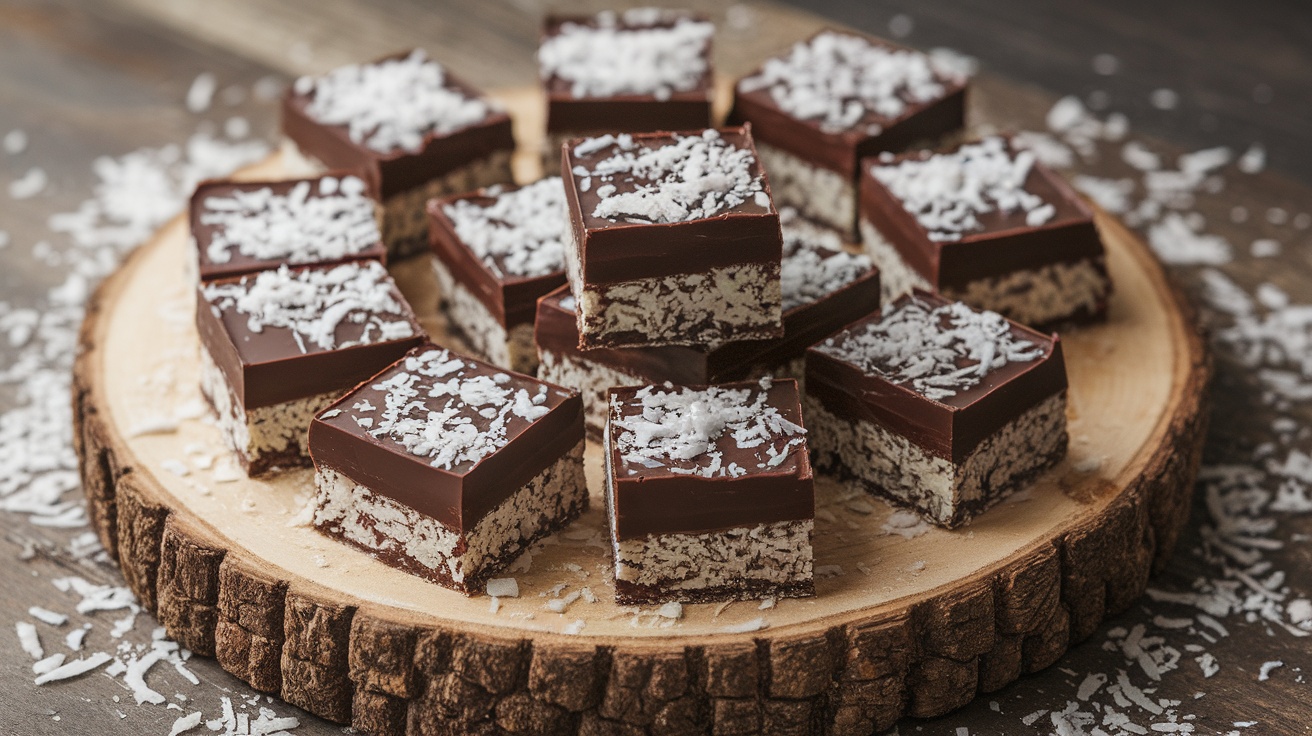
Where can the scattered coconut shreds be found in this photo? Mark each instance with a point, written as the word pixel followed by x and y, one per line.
pixel 672 610
pixel 503 588
pixel 663 52
pixel 518 233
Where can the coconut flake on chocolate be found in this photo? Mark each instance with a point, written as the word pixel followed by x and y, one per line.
pixel 312 303
pixel 679 429
pixel 521 233
pixel 842 80
pixel 394 104
pixel 644 51
pixel 695 177
pixel 448 410
pixel 937 351
pixel 814 262
pixel 947 192
pixel 324 223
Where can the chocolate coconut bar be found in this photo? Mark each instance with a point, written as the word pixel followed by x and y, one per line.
pixel 987 225
pixel 277 346
pixel 244 227
pixel 448 468
pixel 675 240
pixel 709 493
pixel 834 98
pixel 409 128
pixel 936 406
pixel 638 70
pixel 824 287
pixel 497 250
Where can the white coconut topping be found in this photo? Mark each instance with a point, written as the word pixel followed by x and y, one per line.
pixel 645 51
pixel 521 233
pixel 314 303
pixel 947 192
pixel 393 104
pixel 937 351
pixel 323 220
pixel 845 82
pixel 814 263
pixel 690 178
pixel 686 430
pixel 449 410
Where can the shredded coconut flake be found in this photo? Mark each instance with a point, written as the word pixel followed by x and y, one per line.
pixel 814 263
pixel 690 178
pixel 325 219
pixel 948 192
pixel 844 81
pixel 937 351
pixel 392 105
pixel 644 51
pixel 520 233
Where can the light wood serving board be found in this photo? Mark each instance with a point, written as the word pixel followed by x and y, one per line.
pixel 904 622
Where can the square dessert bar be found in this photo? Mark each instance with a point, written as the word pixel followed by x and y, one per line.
pixel 497 250
pixel 638 70
pixel 833 98
pixel 675 240
pixel 278 346
pixel 244 227
pixel 937 407
pixel 448 468
pixel 408 127
pixel 709 493
pixel 824 287
pixel 987 225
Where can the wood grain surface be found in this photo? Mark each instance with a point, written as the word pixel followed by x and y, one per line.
pixel 91 78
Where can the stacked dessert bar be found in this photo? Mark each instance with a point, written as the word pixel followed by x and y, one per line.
pixel 703 301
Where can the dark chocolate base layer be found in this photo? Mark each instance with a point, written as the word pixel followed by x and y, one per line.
pixel 632 594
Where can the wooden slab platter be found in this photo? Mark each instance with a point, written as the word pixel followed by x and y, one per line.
pixel 906 620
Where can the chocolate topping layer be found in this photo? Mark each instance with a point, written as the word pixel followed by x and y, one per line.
pixel 294 229
pixel 1004 242
pixel 737 457
pixel 446 435
pixel 679 102
pixel 398 170
pixel 501 280
pixel 743 228
pixel 948 426
pixel 876 128
pixel 354 331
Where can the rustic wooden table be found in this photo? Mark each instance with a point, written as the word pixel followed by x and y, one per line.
pixel 85 79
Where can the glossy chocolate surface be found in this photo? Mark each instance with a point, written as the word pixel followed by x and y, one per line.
pixel 1005 243
pixel 400 170
pixel 620 251
pixel 511 299
pixel 269 366
pixel 458 497
pixel 658 501
pixel 239 263
pixel 628 113
pixel 841 151
pixel 952 427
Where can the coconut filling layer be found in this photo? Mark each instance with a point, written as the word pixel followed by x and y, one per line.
pixel 265 435
pixel 421 545
pixel 820 194
pixel 512 349
pixel 945 493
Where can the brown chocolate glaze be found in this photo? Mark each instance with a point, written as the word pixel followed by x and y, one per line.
pixel 623 251
pixel 953 427
pixel 657 501
pixel 556 331
pixel 239 263
pixel 1005 243
pixel 268 367
pixel 511 299
pixel 397 171
pixel 841 151
pixel 460 497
